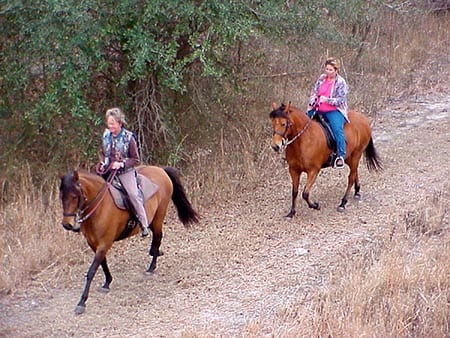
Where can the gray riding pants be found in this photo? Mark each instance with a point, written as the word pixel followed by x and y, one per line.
pixel 129 183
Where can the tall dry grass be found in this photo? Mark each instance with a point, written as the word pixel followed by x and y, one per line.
pixel 401 291
pixel 399 287
pixel 30 241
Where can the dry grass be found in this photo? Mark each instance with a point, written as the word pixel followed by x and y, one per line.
pixel 398 287
pixel 29 243
pixel 402 290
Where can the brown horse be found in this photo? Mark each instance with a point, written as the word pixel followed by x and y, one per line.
pixel 90 209
pixel 307 149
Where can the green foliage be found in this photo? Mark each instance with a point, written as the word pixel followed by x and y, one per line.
pixel 64 62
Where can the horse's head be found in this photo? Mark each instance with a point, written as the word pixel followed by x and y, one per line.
pixel 280 126
pixel 72 198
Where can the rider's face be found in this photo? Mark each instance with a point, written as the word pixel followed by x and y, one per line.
pixel 330 71
pixel 113 126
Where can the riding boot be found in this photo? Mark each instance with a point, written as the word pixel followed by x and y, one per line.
pixel 143 225
pixel 144 230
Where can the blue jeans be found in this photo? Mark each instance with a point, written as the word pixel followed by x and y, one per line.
pixel 336 121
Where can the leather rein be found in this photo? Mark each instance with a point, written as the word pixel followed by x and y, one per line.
pixel 81 215
pixel 285 141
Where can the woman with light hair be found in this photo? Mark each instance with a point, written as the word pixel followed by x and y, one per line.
pixel 329 98
pixel 120 152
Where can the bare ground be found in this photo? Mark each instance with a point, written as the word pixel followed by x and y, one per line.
pixel 240 269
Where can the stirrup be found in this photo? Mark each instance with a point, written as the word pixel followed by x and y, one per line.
pixel 339 162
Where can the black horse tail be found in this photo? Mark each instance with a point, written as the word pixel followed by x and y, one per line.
pixel 373 161
pixel 186 212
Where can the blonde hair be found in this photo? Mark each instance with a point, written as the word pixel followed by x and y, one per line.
pixel 332 62
pixel 117 114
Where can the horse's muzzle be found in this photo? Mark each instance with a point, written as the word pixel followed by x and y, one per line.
pixel 276 147
pixel 70 227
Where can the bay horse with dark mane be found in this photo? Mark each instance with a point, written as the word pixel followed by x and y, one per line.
pixel 89 208
pixel 307 150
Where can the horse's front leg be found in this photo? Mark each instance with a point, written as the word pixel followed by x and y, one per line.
pixel 310 179
pixel 295 178
pixel 98 258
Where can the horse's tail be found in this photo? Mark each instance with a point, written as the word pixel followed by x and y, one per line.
pixel 186 212
pixel 373 161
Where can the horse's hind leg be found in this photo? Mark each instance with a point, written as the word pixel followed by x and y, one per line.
pixel 108 276
pixel 156 228
pixel 357 186
pixel 352 180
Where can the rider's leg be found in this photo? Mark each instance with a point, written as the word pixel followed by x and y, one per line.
pixel 337 120
pixel 129 182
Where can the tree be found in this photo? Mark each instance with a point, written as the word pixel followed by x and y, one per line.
pixel 65 62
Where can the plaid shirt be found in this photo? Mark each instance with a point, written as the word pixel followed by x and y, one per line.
pixel 338 94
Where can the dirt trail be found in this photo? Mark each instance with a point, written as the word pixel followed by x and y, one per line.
pixel 244 264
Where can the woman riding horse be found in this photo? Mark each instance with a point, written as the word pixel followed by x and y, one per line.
pixel 329 99
pixel 307 151
pixel 120 152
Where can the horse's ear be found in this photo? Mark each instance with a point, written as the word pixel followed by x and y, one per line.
pixel 288 107
pixel 274 105
pixel 75 175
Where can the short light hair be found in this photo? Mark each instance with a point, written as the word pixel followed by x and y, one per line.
pixel 332 62
pixel 117 114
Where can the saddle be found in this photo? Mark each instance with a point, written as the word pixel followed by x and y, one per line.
pixel 146 187
pixel 331 141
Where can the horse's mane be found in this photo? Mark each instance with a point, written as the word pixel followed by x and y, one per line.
pixel 83 174
pixel 91 176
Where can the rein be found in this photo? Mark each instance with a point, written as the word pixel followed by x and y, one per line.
pixel 299 133
pixel 288 142
pixel 97 199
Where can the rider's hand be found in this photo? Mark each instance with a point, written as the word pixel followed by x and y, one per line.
pixel 117 165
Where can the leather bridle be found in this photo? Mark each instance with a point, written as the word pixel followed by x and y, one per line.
pixel 82 214
pixel 284 140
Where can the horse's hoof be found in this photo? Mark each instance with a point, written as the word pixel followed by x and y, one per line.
pixel 150 272
pixel 340 208
pixel 317 206
pixel 80 309
pixel 103 290
pixel 290 214
pixel 357 196
pixel 151 269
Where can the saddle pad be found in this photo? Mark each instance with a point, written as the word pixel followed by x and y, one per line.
pixel 331 142
pixel 147 187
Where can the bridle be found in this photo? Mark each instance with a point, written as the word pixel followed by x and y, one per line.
pixel 82 214
pixel 284 140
